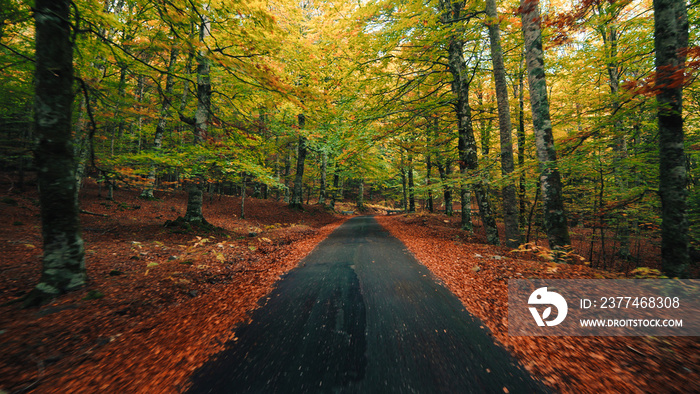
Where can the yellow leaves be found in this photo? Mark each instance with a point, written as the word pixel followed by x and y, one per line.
pixel 199 241
pixel 645 273
pixel 551 255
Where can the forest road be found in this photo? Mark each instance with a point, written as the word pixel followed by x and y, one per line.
pixel 361 315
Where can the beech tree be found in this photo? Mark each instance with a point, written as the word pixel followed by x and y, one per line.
pixel 201 119
pixel 452 15
pixel 510 205
pixel 63 262
pixel 671 41
pixel 555 221
pixel 301 161
pixel 167 99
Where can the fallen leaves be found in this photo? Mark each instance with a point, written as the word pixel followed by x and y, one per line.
pixel 158 304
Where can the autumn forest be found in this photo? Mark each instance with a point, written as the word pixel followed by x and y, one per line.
pixel 567 132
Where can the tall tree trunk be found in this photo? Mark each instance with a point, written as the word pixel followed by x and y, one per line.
pixel 309 189
pixel 186 82
pixel 336 184
pixel 81 144
pixel 201 125
pixel 27 138
pixel 277 167
pixel 162 121
pixel 118 129
pixel 670 39
pixel 522 191
pixel 287 171
pixel 411 186
pixel 485 124
pixel 550 180
pixel 466 147
pixel 510 204
pixel 428 183
pixel 445 171
pixel 468 160
pixel 361 195
pixel 431 132
pixel 63 263
pixel 322 186
pixel 243 190
pixel 301 158
pixel 140 89
pixel 404 199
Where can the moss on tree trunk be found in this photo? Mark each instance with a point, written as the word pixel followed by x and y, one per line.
pixel 550 180
pixel 63 263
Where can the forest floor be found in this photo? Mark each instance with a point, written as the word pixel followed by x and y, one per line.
pixel 160 303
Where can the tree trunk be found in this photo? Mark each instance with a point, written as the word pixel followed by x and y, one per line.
pixel 162 121
pixel 186 82
pixel 118 128
pixel 322 186
pixel 81 144
pixel 63 263
pixel 510 204
pixel 336 184
pixel 361 196
pixel 670 38
pixel 485 123
pixel 445 171
pixel 432 130
pixel 466 147
pixel 287 171
pixel 468 160
pixel 342 190
pixel 301 158
pixel 522 192
pixel 404 199
pixel 140 88
pixel 309 189
pixel 550 180
pixel 277 168
pixel 428 183
pixel 411 186
pixel 243 187
pixel 201 125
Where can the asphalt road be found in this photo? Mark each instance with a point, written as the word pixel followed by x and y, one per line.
pixel 361 315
